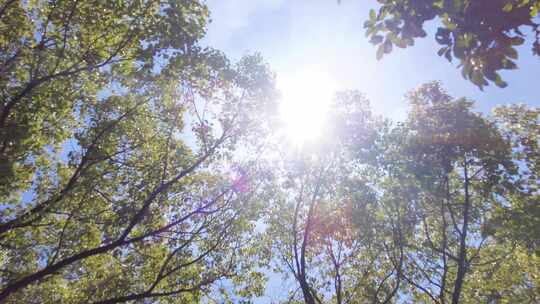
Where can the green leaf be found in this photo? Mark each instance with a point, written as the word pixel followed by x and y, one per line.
pixel 448 55
pixel 466 70
pixel 368 24
pixel 534 10
pixel 376 39
pixel 442 50
pixel 401 43
pixel 511 52
pixel 387 46
pixel 410 41
pixel 380 51
pixel 438 4
pixel 490 74
pixel 372 15
pixel 517 40
pixel 499 82
pixel 478 79
pixel 509 64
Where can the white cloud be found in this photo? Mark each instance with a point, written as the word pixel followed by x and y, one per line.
pixel 229 16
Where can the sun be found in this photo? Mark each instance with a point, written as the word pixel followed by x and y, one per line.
pixel 306 96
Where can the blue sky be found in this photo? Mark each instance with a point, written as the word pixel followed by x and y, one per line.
pixel 297 35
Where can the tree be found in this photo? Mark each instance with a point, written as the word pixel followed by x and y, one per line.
pixel 109 193
pixel 58 55
pixel 455 170
pixel 482 35
pixel 320 191
pixel 427 209
pixel 518 220
pixel 514 222
pixel 506 283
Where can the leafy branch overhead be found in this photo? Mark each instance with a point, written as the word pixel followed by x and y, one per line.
pixel 483 36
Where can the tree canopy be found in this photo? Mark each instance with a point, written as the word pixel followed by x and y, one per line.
pixel 137 166
pixel 427 209
pixel 109 194
pixel 482 35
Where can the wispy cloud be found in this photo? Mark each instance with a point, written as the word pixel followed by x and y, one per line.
pixel 230 16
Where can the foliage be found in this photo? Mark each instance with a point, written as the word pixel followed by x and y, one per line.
pixel 428 209
pixel 320 190
pixel 518 219
pixel 137 166
pixel 482 35
pixel 118 181
pixel 454 184
pixel 458 166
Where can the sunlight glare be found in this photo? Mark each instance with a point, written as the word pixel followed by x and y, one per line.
pixel 305 101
